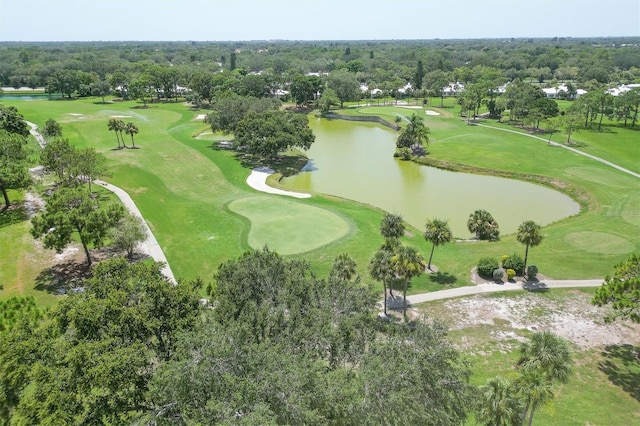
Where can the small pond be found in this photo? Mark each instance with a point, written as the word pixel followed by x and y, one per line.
pixel 355 161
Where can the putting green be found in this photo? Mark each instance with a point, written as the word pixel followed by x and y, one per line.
pixel 599 242
pixel 288 227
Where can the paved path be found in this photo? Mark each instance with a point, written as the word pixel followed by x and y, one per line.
pixel 490 288
pixel 150 246
pixel 577 151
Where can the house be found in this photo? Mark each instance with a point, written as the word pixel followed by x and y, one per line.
pixel 561 92
pixel 453 89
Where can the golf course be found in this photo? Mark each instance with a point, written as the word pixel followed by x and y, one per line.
pixel 196 201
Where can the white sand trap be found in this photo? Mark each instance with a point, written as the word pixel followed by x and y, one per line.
pixel 201 116
pixel 410 106
pixel 119 116
pixel 75 114
pixel 429 112
pixel 258 181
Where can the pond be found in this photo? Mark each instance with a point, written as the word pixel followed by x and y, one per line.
pixel 355 161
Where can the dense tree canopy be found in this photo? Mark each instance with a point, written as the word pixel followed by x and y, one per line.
pixel 270 132
pixel 14 169
pixel 621 291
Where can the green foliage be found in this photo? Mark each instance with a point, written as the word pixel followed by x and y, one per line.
pixel 621 291
pixel 328 99
pixel 499 404
pixel 528 234
pixel 127 233
pixel 483 225
pixel 91 360
pixel 510 274
pixel 284 347
pixel 486 266
pixel 437 231
pixel 391 226
pixel 14 169
pixel 404 153
pixel 532 271
pixel 498 274
pixel 17 309
pixel 12 121
pixel 414 135
pixel 503 258
pixel 52 129
pixel 514 262
pixel 271 132
pixel 70 210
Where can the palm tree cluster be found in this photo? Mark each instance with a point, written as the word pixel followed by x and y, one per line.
pixel 483 225
pixel 544 360
pixel 394 260
pixel 120 127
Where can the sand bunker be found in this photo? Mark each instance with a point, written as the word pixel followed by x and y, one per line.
pixel 429 112
pixel 258 181
pixel 201 116
pixel 119 116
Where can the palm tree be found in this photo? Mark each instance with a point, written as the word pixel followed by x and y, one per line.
pixel 529 235
pixel 535 390
pixel 544 359
pixel 381 269
pixel 120 127
pixel 113 126
pixel 483 225
pixel 438 233
pixel 500 405
pixel 414 135
pixel 343 268
pixel 391 226
pixel 547 353
pixel 131 129
pixel 407 263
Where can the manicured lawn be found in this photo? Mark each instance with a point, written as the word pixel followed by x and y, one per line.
pixel 185 188
pixel 289 227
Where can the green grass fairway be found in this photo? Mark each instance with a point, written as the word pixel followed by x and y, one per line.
pixel 289 227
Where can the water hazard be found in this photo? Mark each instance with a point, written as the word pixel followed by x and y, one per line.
pixel 355 161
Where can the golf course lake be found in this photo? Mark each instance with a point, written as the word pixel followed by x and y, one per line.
pixel 355 161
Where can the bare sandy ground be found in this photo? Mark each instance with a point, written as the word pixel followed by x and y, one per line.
pixel 258 181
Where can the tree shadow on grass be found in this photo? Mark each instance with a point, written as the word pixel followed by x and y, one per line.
pixel 622 367
pixel 286 165
pixel 14 214
pixel 62 278
pixel 443 278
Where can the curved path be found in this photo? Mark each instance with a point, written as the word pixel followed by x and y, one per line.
pixel 258 181
pixel 492 288
pixel 577 151
pixel 149 246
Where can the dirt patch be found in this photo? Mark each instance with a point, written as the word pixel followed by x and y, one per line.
pixel 508 319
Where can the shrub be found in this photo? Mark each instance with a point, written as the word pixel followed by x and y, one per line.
pixel 532 271
pixel 503 258
pixel 486 266
pixel 404 153
pixel 514 262
pixel 510 274
pixel 498 274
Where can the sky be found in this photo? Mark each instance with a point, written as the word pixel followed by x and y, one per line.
pixel 225 20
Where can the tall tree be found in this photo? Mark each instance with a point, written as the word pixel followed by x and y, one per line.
pixel 58 157
pixel 391 226
pixel 544 359
pixel 127 233
pixel 12 121
pixel 88 165
pixel 407 263
pixel 418 76
pixel 437 232
pixel 529 235
pixel 72 210
pixel 113 126
pixel 621 291
pixel 52 129
pixel 414 135
pixel 100 88
pixel 499 405
pixel 381 269
pixel 482 224
pixel 131 129
pixel 270 132
pixel 14 169
pixel 345 85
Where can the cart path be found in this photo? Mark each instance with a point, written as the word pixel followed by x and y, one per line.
pixel 577 151
pixel 149 246
pixel 490 288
